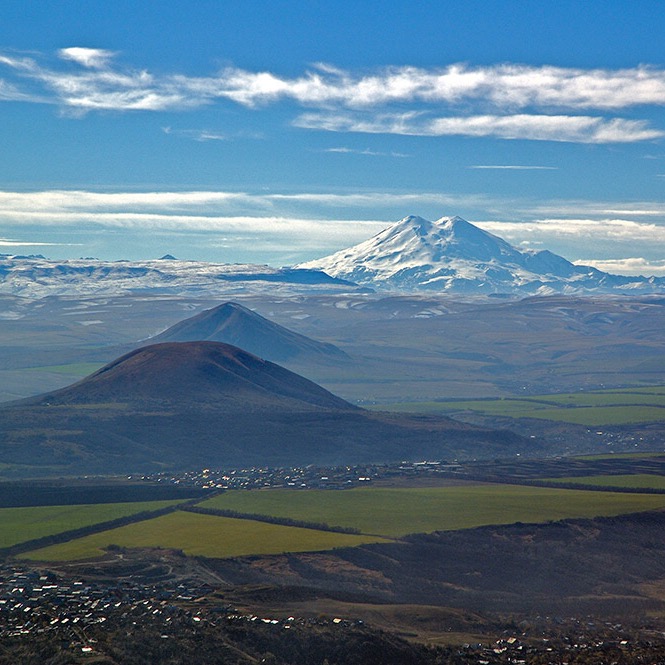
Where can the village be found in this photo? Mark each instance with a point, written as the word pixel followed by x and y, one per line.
pixel 306 477
pixel 79 615
pixel 518 469
pixel 42 604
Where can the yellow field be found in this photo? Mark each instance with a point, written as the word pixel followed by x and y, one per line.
pixel 18 525
pixel 203 535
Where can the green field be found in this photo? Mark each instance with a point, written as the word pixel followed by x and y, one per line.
pixel 377 512
pixel 598 416
pixel 605 399
pixel 641 390
pixel 604 456
pixel 638 481
pixel 20 524
pixel 77 369
pixel 396 512
pixel 203 535
pixel 493 407
pixel 585 408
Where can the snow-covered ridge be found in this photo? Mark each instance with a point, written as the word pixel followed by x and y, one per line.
pixel 449 255
pixel 453 255
pixel 36 276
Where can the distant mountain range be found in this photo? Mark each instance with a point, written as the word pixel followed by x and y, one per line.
pixel 449 255
pixel 452 255
pixel 36 276
pixel 196 404
pixel 235 324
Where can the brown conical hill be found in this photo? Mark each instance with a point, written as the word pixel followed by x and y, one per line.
pixel 235 324
pixel 195 375
pixel 206 404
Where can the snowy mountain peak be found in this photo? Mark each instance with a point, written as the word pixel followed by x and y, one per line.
pixel 411 225
pixel 414 244
pixel 461 229
pixel 456 223
pixel 421 240
pixel 454 255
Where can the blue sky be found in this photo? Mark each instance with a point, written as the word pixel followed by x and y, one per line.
pixel 281 131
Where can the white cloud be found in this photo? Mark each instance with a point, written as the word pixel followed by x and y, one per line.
pixel 317 223
pixel 95 58
pixel 50 201
pixel 504 86
pixel 405 202
pixel 505 101
pixel 22 65
pixel 6 242
pixel 11 93
pixel 594 209
pixel 589 229
pixel 224 202
pixel 180 212
pixel 630 266
pixel 554 216
pixel 201 135
pixel 513 167
pixel 306 229
pixel 577 129
pixel 366 151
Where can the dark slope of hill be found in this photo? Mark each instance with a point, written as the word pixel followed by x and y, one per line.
pixel 186 405
pixel 235 324
pixel 608 566
pixel 195 375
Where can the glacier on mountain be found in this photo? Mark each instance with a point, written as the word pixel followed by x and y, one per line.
pixel 453 255
pixel 449 255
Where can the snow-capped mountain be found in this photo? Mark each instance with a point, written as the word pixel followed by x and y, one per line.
pixel 449 255
pixel 36 276
pixel 453 255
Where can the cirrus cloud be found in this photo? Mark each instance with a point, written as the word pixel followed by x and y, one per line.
pixel 9 242
pixel 88 57
pixel 629 266
pixel 291 227
pixel 596 230
pixel 576 129
pixel 505 101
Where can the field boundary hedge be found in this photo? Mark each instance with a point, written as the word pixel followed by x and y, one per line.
pixel 98 527
pixel 270 519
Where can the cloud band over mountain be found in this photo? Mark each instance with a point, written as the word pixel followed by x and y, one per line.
pixel 290 227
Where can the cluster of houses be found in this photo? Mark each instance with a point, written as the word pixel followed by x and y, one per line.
pixel 308 477
pixel 37 603
pixel 572 638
